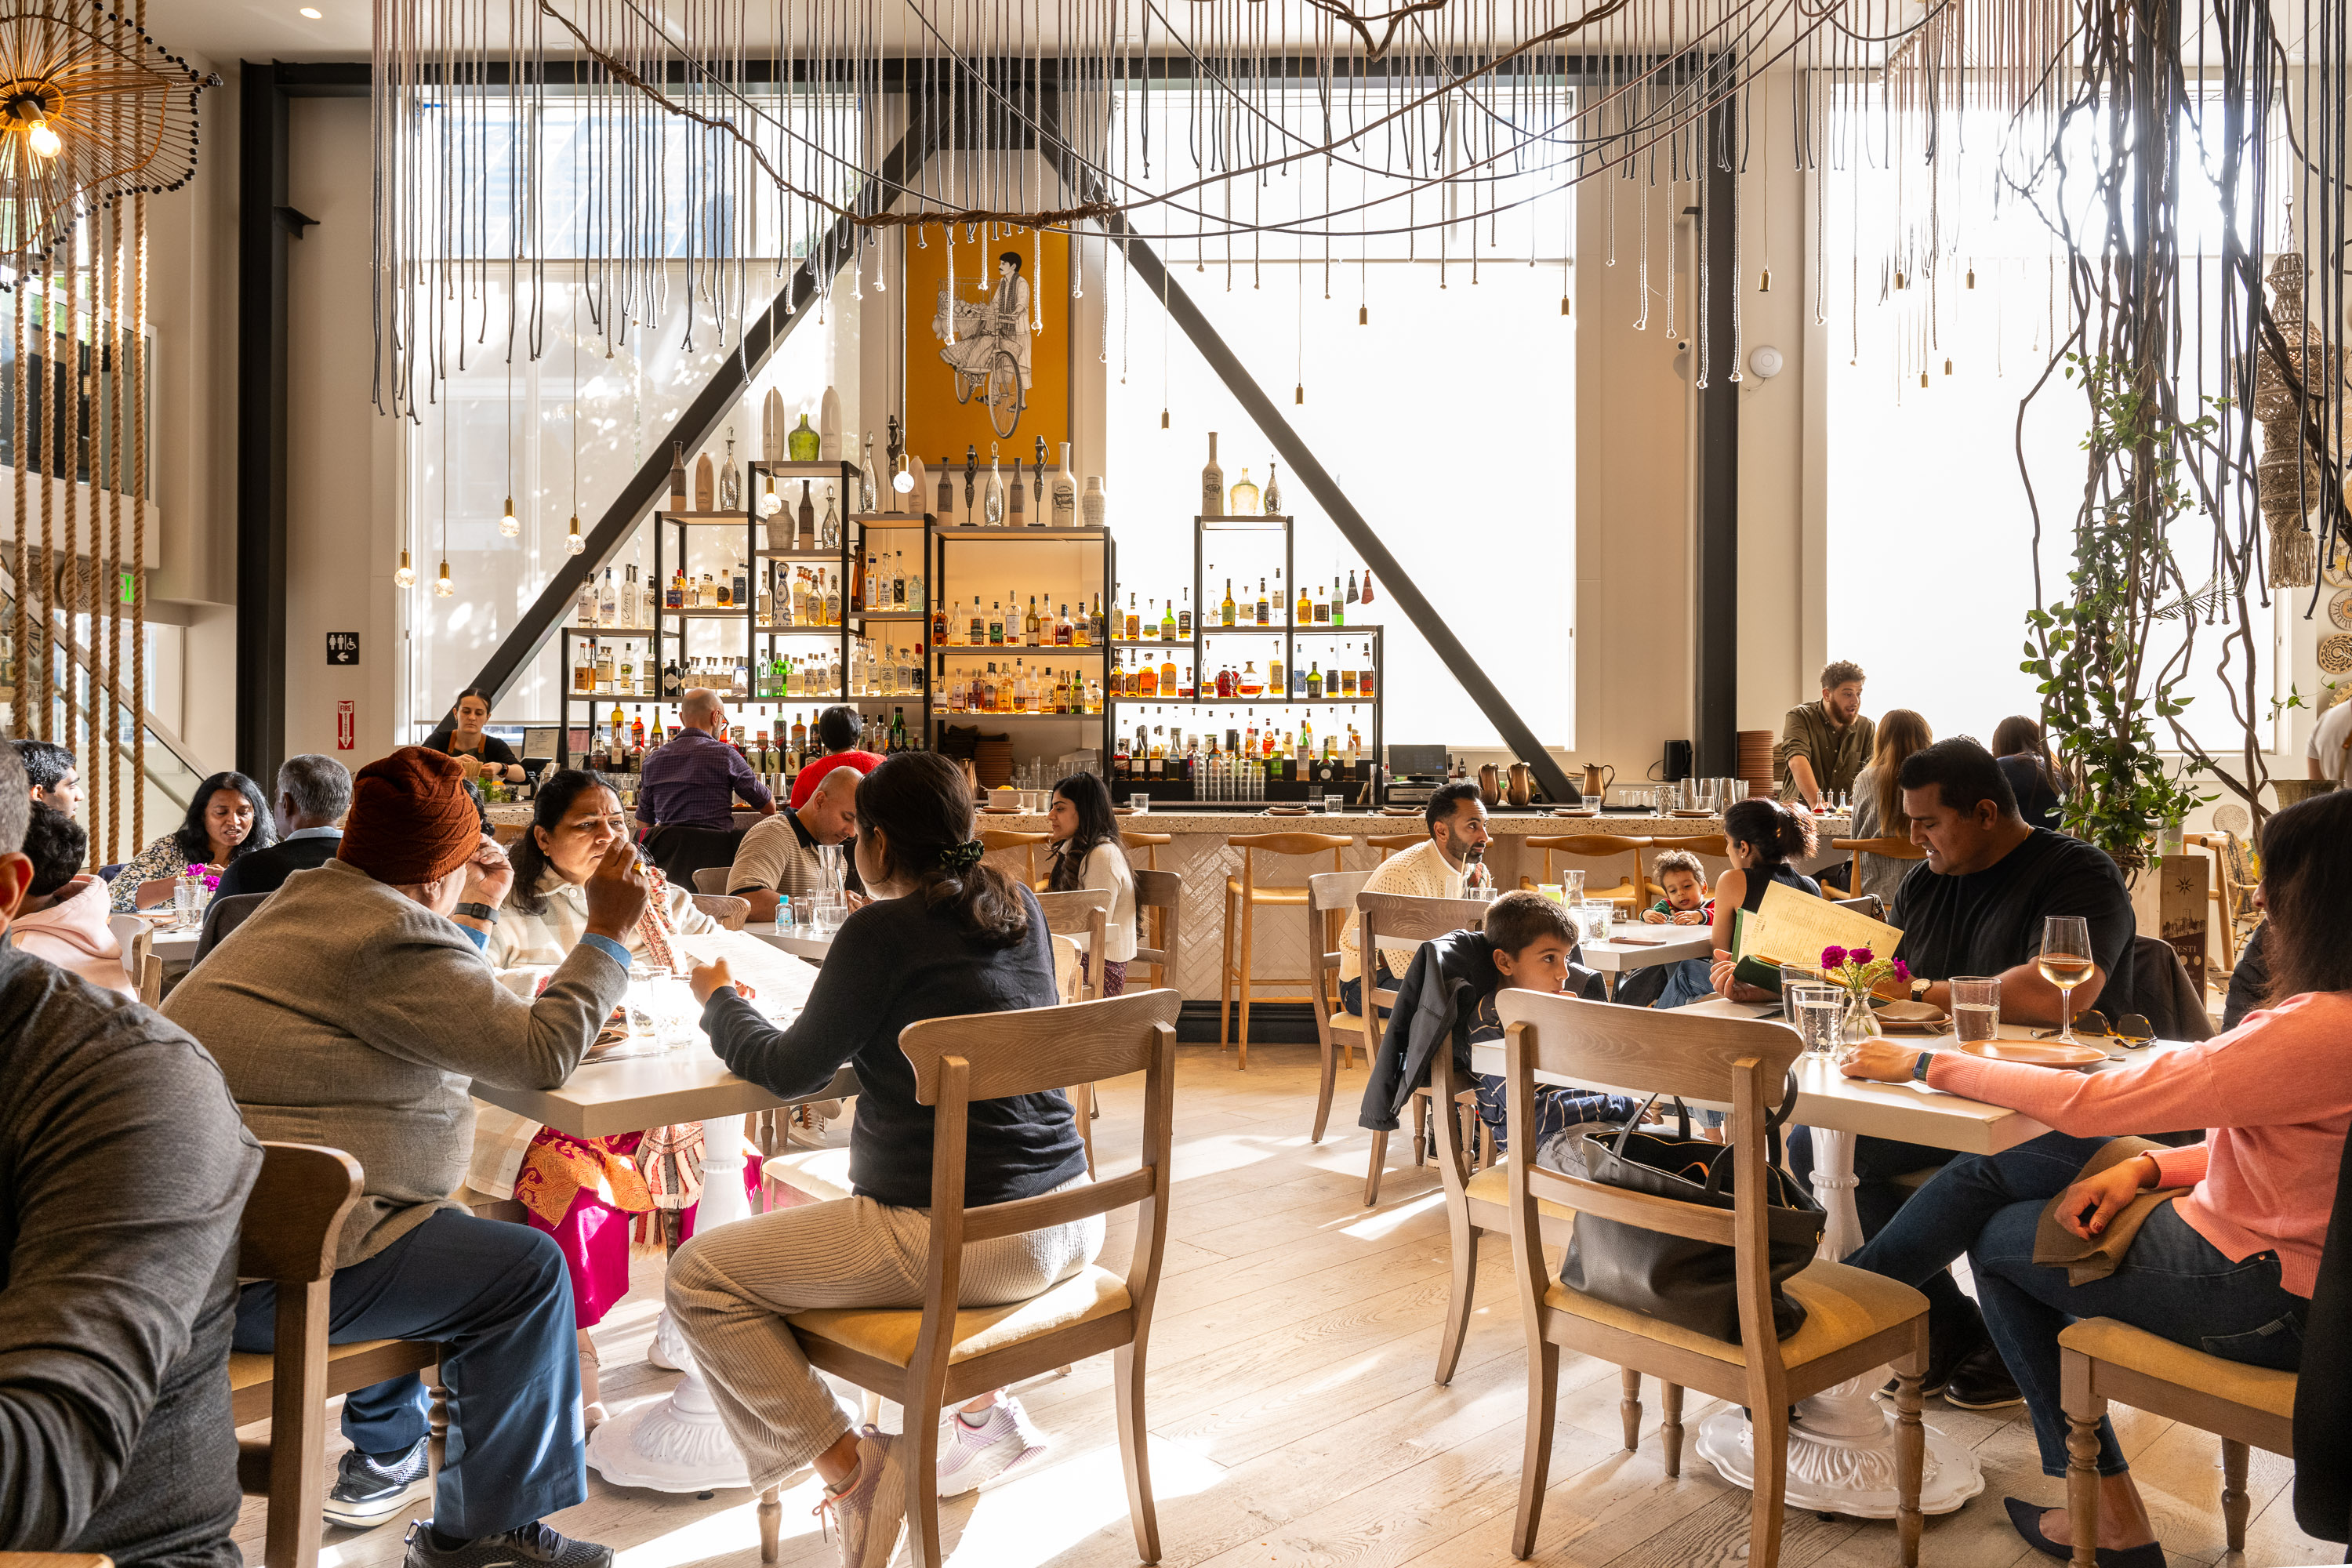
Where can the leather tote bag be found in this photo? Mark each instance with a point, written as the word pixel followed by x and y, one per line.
pixel 1691 1284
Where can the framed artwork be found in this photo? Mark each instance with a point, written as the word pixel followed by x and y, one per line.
pixel 999 383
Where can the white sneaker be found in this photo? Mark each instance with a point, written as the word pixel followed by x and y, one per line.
pixel 970 1457
pixel 869 1517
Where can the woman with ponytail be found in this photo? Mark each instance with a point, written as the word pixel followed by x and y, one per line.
pixel 945 935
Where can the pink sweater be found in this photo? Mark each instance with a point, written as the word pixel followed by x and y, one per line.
pixel 2279 1087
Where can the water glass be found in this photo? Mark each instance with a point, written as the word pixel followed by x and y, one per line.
pixel 1332 803
pixel 1975 1006
pixel 1818 1013
pixel 1138 803
pixel 639 1002
pixel 1551 890
pixel 1596 919
pixel 184 902
pixel 677 1020
pixel 1572 887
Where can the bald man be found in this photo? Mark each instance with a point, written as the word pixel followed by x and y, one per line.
pixel 779 857
pixel 686 796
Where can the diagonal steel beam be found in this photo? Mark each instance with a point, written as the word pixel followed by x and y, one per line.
pixel 761 338
pixel 1305 470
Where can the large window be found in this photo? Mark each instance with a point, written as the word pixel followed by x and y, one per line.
pixel 1447 417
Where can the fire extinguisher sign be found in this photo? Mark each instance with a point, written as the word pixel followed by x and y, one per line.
pixel 347 725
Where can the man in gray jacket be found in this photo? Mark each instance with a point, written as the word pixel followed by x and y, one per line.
pixel 354 1010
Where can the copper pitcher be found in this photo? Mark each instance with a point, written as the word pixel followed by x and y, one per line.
pixel 1521 789
pixel 1490 784
pixel 1597 776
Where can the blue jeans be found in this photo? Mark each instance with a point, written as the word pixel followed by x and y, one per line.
pixel 1557 1107
pixel 2173 1282
pixel 1688 980
pixel 498 1300
pixel 1953 1320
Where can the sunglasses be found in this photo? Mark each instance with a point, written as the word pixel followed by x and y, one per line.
pixel 2131 1029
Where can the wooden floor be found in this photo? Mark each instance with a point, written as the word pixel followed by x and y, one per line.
pixel 1294 1420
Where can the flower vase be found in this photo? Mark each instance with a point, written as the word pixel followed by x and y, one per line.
pixel 1861 1021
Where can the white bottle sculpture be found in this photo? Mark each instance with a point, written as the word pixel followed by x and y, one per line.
pixel 828 427
pixel 1066 492
pixel 1093 504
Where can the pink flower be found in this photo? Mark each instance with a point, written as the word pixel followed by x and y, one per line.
pixel 1860 955
pixel 1832 956
pixel 1901 970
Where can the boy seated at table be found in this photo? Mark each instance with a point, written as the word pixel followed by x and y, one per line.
pixel 1532 943
pixel 1683 881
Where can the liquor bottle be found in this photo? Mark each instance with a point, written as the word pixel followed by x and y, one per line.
pixel 1227 611
pixel 1264 608
pixel 939 626
pixel 1273 687
pixel 608 602
pixel 586 608
pixel 1364 676
pixel 742 585
pixel 1168 677
pixel 829 536
pixel 800 736
pixel 978 634
pixel 672 682
pixel 996 624
pixel 1339 605
pixel 1082 630
pixel 1065 493
pixel 1305 614
pixel 1020 509
pixel 637 732
pixel 1062 627
pixel 710 598
pixel 1244 501
pixel 584 667
pixel 992 499
pixel 1185 616
pixel 866 498
pixel 945 505
pixel 1322 607
pixel 915 587
pixel 897 580
pixel 1272 493
pixel 1029 625
pixel 1147 679
pixel 676 476
pixel 833 599
pixel 805 534
pixel 722 591
pixel 1134 621
pixel 1355 595
pixel 730 479
pixel 1168 622
pixel 1213 483
pixel 1098 629
pixel 674 595
pixel 1315 684
pixel 801 446
pixel 897 729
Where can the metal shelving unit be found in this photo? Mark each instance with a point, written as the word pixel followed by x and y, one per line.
pixel 1092 660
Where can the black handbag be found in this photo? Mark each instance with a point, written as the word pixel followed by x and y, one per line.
pixel 1691 1284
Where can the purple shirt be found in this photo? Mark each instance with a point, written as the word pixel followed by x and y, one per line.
pixel 692 781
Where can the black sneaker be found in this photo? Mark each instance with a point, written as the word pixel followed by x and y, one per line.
pixel 1981 1382
pixel 369 1490
pixel 1941 1359
pixel 530 1545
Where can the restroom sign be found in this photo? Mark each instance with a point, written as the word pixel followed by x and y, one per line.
pixel 347 725
pixel 343 648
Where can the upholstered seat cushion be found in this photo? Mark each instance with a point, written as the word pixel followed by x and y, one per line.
pixel 890 1335
pixel 2151 1356
pixel 1842 1305
pixel 822 1174
pixel 1493 1185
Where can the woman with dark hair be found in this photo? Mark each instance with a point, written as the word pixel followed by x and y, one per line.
pixel 837 732
pixel 945 935
pixel 2032 773
pixel 1088 853
pixel 1878 801
pixel 1760 837
pixel 582 1191
pixel 226 816
pixel 461 737
pixel 2227 1264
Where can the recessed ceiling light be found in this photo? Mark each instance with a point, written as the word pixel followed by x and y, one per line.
pixel 311 11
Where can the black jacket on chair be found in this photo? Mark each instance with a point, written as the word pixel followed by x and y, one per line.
pixel 1435 1002
pixel 2322 1390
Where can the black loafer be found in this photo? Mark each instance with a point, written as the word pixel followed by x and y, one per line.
pixel 1941 1359
pixel 2026 1519
pixel 1981 1382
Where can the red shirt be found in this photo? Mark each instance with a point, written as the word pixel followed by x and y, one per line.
pixel 804 782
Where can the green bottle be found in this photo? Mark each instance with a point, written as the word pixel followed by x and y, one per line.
pixel 801 443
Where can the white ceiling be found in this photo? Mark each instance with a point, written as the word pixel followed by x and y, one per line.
pixel 219 33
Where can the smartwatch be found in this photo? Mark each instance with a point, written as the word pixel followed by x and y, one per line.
pixel 1919 1066
pixel 478 912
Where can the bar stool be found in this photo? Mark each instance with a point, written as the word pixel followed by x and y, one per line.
pixel 1243 899
pixel 1389 844
pixel 1151 842
pixel 992 840
pixel 1597 847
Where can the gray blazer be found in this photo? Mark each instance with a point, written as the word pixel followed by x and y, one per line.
pixel 346 1014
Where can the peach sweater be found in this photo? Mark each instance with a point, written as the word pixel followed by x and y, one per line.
pixel 2275 1095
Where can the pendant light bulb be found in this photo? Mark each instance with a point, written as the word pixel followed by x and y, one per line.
pixel 405 577
pixel 41 139
pixel 903 481
pixel 442 586
pixel 572 543
pixel 508 524
pixel 771 503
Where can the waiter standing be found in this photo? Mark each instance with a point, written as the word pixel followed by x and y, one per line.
pixel 687 793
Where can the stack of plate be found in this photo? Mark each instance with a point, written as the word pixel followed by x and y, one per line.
pixel 993 761
pixel 1756 760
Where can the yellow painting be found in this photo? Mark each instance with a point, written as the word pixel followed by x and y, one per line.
pixel 978 373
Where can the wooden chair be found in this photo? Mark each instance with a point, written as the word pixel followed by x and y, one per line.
pixel 1892 848
pixel 292 1219
pixel 1389 844
pixel 932 1358
pixel 1083 911
pixel 55 1560
pixel 1478 1200
pixel 1160 896
pixel 1400 918
pixel 2232 897
pixel 994 838
pixel 1598 847
pixel 136 938
pixel 711 878
pixel 1330 895
pixel 729 910
pixel 1855 1322
pixel 2247 1407
pixel 1243 898
pixel 1151 844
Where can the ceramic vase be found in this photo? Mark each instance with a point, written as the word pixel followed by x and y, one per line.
pixel 1091 507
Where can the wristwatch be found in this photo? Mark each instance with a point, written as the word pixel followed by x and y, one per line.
pixel 1919 1066
pixel 478 912
pixel 1919 988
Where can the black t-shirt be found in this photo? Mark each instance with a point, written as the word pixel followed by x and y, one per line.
pixel 1990 921
pixel 494 751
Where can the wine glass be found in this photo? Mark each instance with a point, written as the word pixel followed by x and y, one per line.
pixel 2065 963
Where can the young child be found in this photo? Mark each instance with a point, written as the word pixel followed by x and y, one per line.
pixel 1683 880
pixel 1533 946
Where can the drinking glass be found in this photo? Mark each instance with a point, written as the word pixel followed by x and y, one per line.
pixel 1332 804
pixel 1549 890
pixel 2065 963
pixel 639 1001
pixel 1819 1012
pixel 1572 887
pixel 1138 803
pixel 183 904
pixel 1599 913
pixel 1975 1006
pixel 677 1020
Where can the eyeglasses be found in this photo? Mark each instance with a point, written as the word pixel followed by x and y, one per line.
pixel 2131 1029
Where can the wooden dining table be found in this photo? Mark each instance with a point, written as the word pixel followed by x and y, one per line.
pixel 1842 1442
pixel 677 1444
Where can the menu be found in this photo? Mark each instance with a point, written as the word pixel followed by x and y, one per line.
pixel 1793 927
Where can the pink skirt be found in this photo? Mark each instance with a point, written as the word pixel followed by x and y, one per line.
pixel 595 1241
